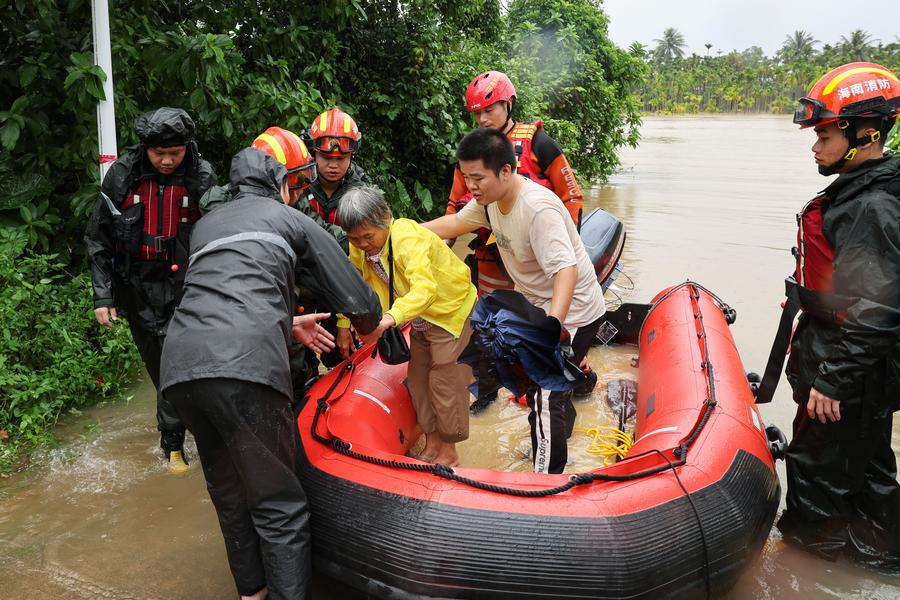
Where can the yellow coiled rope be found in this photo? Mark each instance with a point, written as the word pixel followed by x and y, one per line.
pixel 609 442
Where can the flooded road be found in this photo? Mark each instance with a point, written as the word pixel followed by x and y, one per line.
pixel 710 198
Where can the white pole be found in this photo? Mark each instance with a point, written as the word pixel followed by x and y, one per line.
pixel 106 110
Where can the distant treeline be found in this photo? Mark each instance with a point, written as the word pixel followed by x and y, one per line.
pixel 748 81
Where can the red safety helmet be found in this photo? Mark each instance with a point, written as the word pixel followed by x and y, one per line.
pixel 288 149
pixel 860 89
pixel 334 133
pixel 488 88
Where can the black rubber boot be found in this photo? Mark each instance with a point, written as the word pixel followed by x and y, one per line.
pixel 482 402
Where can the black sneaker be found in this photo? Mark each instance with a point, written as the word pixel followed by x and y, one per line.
pixel 584 389
pixel 482 402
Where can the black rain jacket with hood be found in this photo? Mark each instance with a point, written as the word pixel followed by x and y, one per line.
pixel 147 293
pixel 858 360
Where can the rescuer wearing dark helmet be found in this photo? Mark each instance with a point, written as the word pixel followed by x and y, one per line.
pixel 137 241
pixel 843 498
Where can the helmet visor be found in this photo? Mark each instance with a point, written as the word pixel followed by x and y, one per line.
pixel 300 177
pixel 336 143
pixel 809 112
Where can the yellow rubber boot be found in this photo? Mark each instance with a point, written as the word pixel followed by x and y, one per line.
pixel 177 464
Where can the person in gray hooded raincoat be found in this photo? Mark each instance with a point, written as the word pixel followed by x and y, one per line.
pixel 225 366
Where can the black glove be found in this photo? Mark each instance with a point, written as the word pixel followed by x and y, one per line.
pixel 565 340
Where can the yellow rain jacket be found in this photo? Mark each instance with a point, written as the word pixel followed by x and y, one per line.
pixel 429 280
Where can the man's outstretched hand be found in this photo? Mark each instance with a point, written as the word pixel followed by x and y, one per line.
pixel 306 330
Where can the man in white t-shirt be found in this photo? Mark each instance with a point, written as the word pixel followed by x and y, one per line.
pixel 543 254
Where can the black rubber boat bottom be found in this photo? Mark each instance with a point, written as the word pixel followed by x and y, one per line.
pixel 395 547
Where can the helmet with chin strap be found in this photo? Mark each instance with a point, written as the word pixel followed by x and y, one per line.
pixel 854 91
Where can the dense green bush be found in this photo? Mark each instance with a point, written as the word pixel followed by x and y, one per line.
pixel 400 68
pixel 53 356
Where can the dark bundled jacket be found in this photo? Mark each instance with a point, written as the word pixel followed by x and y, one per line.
pixel 234 320
pixel 116 281
pixel 521 344
pixel 859 360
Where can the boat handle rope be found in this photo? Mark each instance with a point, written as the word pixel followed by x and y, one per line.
pixel 443 471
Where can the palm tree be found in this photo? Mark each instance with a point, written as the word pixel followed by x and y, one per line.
pixel 637 50
pixel 671 45
pixel 858 46
pixel 798 47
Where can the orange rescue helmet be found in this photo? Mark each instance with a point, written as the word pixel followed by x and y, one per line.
pixel 288 149
pixel 334 133
pixel 860 89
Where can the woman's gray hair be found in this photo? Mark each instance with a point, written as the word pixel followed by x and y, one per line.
pixel 363 206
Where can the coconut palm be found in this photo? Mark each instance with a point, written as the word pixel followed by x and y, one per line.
pixel 858 46
pixel 798 46
pixel 671 45
pixel 638 50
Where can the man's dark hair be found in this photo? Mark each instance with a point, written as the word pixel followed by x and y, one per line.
pixel 490 147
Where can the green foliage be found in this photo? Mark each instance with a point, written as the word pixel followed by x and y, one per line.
pixel 670 46
pixel 748 81
pixel 567 72
pixel 53 356
pixel 893 141
pixel 400 68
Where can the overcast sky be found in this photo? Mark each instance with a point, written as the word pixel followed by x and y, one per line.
pixel 733 25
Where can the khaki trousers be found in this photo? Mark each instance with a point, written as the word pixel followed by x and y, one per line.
pixel 438 384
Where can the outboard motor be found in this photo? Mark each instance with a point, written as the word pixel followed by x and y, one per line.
pixel 603 236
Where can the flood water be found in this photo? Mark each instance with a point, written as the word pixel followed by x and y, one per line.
pixel 707 198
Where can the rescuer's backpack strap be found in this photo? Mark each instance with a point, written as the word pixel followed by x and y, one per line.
pixel 772 375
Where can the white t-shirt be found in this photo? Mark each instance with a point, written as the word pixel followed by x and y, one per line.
pixel 536 239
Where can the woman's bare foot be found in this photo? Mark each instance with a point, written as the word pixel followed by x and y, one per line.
pixel 432 449
pixel 447 456
pixel 260 595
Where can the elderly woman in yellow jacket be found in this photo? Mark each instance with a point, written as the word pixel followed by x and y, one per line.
pixel 433 290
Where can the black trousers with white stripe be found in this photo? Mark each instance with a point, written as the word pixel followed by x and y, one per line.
pixel 552 416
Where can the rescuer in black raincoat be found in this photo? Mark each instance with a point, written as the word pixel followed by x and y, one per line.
pixel 137 240
pixel 225 366
pixel 843 497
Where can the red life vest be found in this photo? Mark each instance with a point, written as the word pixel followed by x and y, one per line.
pixel 166 207
pixel 492 275
pixel 330 215
pixel 521 135
pixel 815 254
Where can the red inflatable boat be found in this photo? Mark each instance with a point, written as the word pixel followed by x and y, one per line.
pixel 679 517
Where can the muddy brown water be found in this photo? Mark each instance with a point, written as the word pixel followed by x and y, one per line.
pixel 712 198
